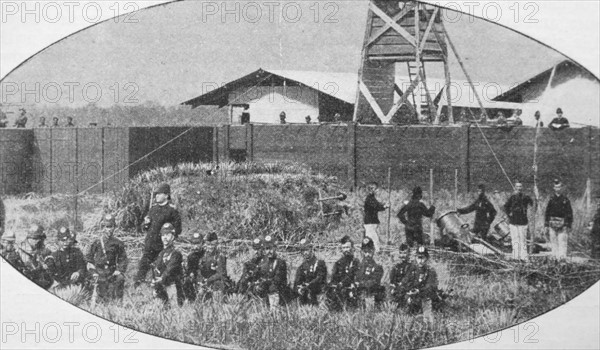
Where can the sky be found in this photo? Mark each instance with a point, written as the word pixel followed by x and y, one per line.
pixel 177 51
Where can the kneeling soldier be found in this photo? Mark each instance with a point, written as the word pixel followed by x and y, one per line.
pixel 107 262
pixel 422 284
pixel 250 275
pixel 213 269
pixel 9 252
pixel 193 262
pixel 397 275
pixel 368 277
pixel 311 276
pixel 167 269
pixel 340 291
pixel 273 272
pixel 34 255
pixel 68 263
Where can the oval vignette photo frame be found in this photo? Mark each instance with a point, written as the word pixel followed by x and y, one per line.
pixel 210 148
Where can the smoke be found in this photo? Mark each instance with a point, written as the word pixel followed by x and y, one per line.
pixel 578 98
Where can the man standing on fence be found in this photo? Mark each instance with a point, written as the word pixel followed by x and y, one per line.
pixel 164 211
pixel 372 208
pixel 558 221
pixel 516 210
pixel 484 213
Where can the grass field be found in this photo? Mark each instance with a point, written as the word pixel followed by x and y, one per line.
pixel 242 201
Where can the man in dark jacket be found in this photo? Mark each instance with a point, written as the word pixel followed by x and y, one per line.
pixel 168 269
pixel 212 269
pixel 369 274
pixel 341 291
pixel 311 276
pixel 250 274
pixel 411 215
pixel 595 232
pixel 484 213
pixel 273 288
pixel 68 263
pixel 558 221
pixel 397 288
pixel 193 263
pixel 560 122
pixel 164 211
pixel 422 284
pixel 107 262
pixel 372 209
pixel 35 255
pixel 516 210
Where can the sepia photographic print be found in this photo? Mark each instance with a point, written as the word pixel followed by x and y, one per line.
pixel 359 174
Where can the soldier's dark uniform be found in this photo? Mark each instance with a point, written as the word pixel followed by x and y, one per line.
pixel 397 274
pixel 168 267
pixel 157 216
pixel 9 252
pixel 108 256
pixel 595 234
pixel 411 215
pixel 250 274
pixel 273 272
pixel 193 262
pixel 65 262
pixel 340 291
pixel 422 284
pixel 485 213
pixel 559 206
pixel 212 270
pixel 369 274
pixel 36 258
pixel 311 277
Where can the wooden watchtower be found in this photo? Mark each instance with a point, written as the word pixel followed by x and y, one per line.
pixel 400 33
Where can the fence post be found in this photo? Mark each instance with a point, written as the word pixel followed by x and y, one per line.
pixel 352 155
pixel 226 143
pixel 466 166
pixel 215 145
pixel 249 142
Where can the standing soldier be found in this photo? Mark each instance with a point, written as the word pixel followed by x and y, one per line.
pixel 411 215
pixel 484 213
pixel 422 284
pixel 3 118
pixel 164 211
pixel 369 274
pixel 558 221
pixel 273 272
pixel 340 292
pixel 193 262
pixel 168 269
pixel 595 231
pixel 250 275
pixel 311 276
pixel 107 262
pixel 21 122
pixel 9 252
pixel 68 263
pixel 42 123
pixel 516 210
pixel 212 275
pixel 35 255
pixel 397 274
pixel 372 208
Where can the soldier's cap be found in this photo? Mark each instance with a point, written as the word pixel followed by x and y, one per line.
pixel 269 241
pixel 257 243
pixel 481 187
pixel 557 182
pixel 9 237
pixel 64 234
pixel 108 221
pixel 36 232
pixel 346 239
pixel 404 248
pixel 164 189
pixel 197 238
pixel 167 228
pixel 367 244
pixel 422 252
pixel 211 237
pixel 559 111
